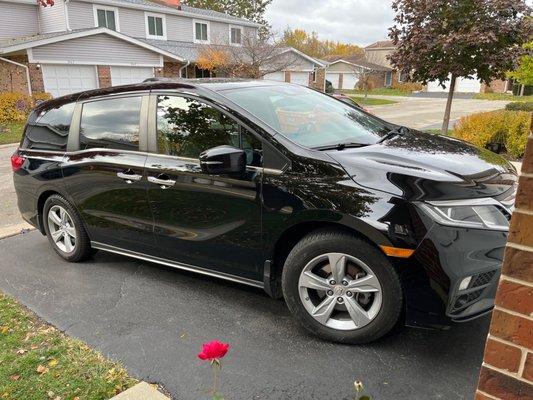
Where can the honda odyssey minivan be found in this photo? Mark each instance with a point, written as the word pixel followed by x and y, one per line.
pixel 357 223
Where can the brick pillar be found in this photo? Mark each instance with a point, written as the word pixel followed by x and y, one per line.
pixel 507 370
pixel 341 81
pixel 320 81
pixel 287 76
pixel 36 78
pixel 104 76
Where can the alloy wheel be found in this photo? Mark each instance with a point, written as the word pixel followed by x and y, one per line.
pixel 62 230
pixel 340 291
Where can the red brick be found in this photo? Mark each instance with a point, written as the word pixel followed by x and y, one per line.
pixel 104 76
pixel 521 230
pixel 481 396
pixel 169 70
pixel 503 386
pixel 502 356
pixel 515 297
pixel 518 264
pixel 528 368
pixel 524 199
pixel 512 328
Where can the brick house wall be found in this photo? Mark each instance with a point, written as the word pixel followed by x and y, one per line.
pixel 320 79
pixel 496 86
pixel 13 77
pixel 104 76
pixel 170 70
pixel 507 370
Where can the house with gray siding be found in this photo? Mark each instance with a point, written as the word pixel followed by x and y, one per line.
pixel 77 45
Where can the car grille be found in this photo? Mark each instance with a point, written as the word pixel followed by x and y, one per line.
pixel 482 279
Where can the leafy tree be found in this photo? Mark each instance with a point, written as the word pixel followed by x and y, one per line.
pixel 255 58
pixel 441 39
pixel 310 44
pixel 524 73
pixel 253 10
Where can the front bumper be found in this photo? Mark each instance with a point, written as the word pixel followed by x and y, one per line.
pixel 443 259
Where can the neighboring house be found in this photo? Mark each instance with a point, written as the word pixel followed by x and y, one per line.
pixel 303 70
pixel 378 53
pixel 78 45
pixel 344 72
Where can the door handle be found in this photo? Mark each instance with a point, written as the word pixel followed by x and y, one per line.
pixel 129 178
pixel 164 183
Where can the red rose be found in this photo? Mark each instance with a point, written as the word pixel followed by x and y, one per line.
pixel 213 350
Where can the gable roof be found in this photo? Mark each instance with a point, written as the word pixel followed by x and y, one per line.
pixel 28 42
pixel 184 10
pixel 381 44
pixel 359 61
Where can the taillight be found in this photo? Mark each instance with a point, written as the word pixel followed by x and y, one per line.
pixel 17 161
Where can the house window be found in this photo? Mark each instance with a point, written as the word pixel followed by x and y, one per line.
pixel 106 17
pixel 201 73
pixel 201 31
pixel 235 35
pixel 155 26
pixel 388 79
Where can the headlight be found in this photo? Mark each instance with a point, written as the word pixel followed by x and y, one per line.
pixel 476 213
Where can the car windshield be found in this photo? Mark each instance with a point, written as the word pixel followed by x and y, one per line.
pixel 307 117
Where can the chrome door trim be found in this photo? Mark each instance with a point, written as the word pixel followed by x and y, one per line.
pixel 173 264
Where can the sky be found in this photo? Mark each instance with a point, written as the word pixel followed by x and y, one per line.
pixel 359 22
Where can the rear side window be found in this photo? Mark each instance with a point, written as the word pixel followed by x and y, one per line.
pixel 111 124
pixel 186 127
pixel 49 130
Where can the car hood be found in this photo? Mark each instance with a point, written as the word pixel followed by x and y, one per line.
pixel 422 166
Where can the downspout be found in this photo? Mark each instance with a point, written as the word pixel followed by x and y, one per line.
pixel 183 68
pixel 23 66
pixel 65 10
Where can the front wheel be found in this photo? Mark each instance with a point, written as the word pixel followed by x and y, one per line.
pixel 341 288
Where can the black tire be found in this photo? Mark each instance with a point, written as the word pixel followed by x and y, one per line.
pixel 321 242
pixel 82 247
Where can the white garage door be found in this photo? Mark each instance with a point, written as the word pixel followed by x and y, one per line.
pixel 349 81
pixel 129 75
pixel 60 80
pixel 275 76
pixel 300 78
pixel 465 85
pixel 333 78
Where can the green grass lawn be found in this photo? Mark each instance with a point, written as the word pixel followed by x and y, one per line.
pixel 11 133
pixel 437 131
pixel 38 362
pixel 371 101
pixel 384 91
pixel 502 96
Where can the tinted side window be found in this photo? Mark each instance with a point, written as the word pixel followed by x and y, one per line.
pixel 186 127
pixel 253 149
pixel 50 129
pixel 112 124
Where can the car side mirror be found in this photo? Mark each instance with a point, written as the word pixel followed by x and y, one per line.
pixel 223 160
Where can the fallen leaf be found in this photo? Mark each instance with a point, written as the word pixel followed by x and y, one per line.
pixel 42 369
pixel 4 329
pixel 14 377
pixel 51 394
pixel 21 351
pixel 34 347
pixel 52 362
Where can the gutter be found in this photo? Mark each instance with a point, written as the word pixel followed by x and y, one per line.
pixel 23 66
pixel 65 11
pixel 184 67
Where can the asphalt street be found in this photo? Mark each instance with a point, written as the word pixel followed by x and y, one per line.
pixel 154 319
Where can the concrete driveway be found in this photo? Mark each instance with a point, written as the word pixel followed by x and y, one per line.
pixel 153 319
pixel 427 113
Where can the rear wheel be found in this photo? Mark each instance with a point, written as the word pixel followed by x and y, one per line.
pixel 341 288
pixel 64 229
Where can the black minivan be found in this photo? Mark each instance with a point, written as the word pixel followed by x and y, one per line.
pixel 357 223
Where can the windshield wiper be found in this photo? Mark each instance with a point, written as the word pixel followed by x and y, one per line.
pixel 395 132
pixel 341 146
